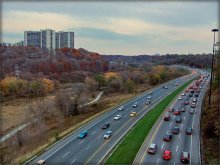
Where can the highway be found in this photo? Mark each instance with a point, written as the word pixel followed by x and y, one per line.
pixel 93 148
pixel 179 142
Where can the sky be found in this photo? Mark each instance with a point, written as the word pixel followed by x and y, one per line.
pixel 126 28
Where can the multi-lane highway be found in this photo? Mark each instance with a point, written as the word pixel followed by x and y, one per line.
pixel 180 142
pixel 93 148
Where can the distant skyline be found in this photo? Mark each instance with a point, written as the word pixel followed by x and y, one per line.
pixel 126 28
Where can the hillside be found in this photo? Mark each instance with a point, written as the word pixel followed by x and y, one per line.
pixel 197 60
pixel 36 62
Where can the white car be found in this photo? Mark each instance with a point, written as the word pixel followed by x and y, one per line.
pixel 117 117
pixel 121 108
pixel 183 94
pixel 135 105
pixel 192 111
pixel 149 97
pixel 108 134
pixel 194 100
pixel 180 98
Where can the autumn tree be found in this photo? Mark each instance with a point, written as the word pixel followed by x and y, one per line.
pixel 129 85
pixel 100 79
pixel 91 84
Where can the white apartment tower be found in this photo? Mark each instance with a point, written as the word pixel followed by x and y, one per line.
pixel 64 39
pixel 49 39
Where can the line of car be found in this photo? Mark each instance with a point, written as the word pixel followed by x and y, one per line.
pixel 192 90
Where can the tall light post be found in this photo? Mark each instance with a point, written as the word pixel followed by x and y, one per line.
pixel 210 90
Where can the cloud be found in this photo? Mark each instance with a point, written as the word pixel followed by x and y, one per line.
pixel 19 21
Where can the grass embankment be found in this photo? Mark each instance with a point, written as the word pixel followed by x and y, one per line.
pixel 127 150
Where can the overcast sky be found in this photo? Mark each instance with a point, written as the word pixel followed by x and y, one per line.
pixel 128 28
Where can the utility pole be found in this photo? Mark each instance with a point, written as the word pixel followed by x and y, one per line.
pixel 213 52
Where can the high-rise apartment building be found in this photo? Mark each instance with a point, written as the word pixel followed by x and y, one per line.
pixel 49 39
pixel 64 39
pixel 32 38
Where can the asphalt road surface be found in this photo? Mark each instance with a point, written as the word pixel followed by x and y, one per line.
pixel 179 142
pixel 93 148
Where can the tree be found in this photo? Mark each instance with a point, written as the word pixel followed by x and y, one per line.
pixel 100 80
pixel 91 84
pixel 129 85
pixel 62 100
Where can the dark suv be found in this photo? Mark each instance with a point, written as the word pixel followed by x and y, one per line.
pixel 105 126
pixel 185 157
pixel 178 119
pixel 167 137
pixel 167 118
pixel 175 130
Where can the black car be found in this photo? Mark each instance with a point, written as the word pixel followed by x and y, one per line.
pixel 189 131
pixel 167 118
pixel 175 130
pixel 190 95
pixel 105 126
pixel 185 157
pixel 178 119
pixel 167 137
pixel 196 95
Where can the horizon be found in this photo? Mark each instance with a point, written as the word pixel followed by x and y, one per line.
pixel 115 28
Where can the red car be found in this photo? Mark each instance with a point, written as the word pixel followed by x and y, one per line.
pixel 186 102
pixel 177 112
pixel 167 155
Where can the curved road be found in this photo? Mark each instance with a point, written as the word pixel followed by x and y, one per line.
pixel 179 142
pixel 93 148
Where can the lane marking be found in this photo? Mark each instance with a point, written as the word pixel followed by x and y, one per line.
pixel 179 135
pixel 157 161
pixel 176 148
pixel 167 132
pixel 87 147
pixel 173 116
pixel 182 126
pixel 162 146
pixel 173 163
pixel 184 117
pixel 99 137
pixel 93 132
pixel 73 161
pixel 66 154
pixel 81 142
pixel 171 123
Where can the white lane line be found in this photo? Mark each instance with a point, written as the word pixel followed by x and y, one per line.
pixel 87 147
pixel 99 137
pixel 184 117
pixel 173 163
pixel 182 126
pixel 157 161
pixel 179 135
pixel 93 132
pixel 171 123
pixel 81 142
pixel 173 116
pixel 162 146
pixel 167 132
pixel 73 161
pixel 176 148
pixel 66 154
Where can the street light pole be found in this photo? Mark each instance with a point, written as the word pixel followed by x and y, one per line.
pixel 213 52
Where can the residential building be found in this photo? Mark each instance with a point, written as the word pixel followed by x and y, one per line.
pixel 32 38
pixel 64 39
pixel 49 39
